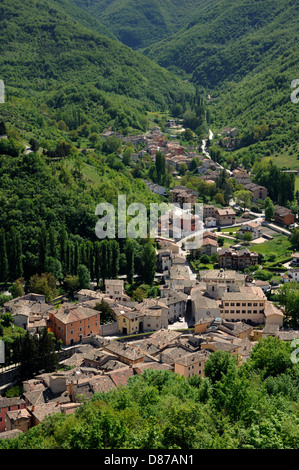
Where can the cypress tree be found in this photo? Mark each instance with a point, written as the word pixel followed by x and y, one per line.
pixel 15 259
pixel 63 249
pixel 97 261
pixel 130 259
pixel 43 243
pixel 76 257
pixel 52 243
pixel 115 254
pixel 4 272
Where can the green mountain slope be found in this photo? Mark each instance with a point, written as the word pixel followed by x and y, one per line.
pixel 54 69
pixel 83 17
pixel 139 23
pixel 245 54
pixel 228 40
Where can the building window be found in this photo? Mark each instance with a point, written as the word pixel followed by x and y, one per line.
pixel 72 332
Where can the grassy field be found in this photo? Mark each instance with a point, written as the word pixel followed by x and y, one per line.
pixel 230 230
pixel 90 173
pixel 279 247
pixel 286 158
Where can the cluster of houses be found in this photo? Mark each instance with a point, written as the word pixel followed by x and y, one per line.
pixel 208 170
pixel 100 364
pixel 224 308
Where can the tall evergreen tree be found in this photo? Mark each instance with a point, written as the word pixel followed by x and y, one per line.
pixel 47 357
pixel 63 249
pixel 76 257
pixel 4 272
pixel 115 254
pixel 97 261
pixel 29 356
pixel 149 264
pixel 43 251
pixel 106 260
pixel 130 261
pixel 52 243
pixel 15 259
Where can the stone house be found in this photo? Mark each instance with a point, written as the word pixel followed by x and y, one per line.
pixel 7 405
pixel 73 323
pixel 191 364
pixel 283 216
pixel 237 259
pixel 251 227
pixel 257 191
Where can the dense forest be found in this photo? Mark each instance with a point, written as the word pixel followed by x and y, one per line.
pixel 59 75
pixel 245 55
pixel 253 406
pixel 48 219
pixel 140 23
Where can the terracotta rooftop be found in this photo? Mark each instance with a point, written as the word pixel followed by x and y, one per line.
pixel 193 358
pixel 101 383
pixel 6 402
pixel 123 350
pixel 121 376
pixel 74 313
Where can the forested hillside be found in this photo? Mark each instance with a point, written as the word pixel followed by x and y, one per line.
pixel 47 215
pixel 139 23
pixel 245 55
pixel 228 40
pixel 55 69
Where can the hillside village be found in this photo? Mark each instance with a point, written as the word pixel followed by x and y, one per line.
pixel 198 311
pixel 220 309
